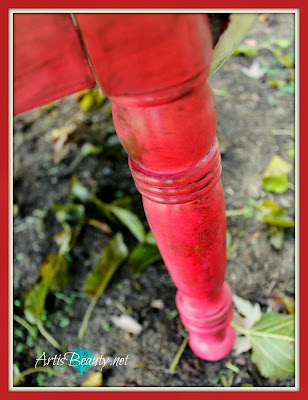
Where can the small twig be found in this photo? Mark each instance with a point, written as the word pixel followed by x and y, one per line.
pixel 178 355
pixel 282 132
pixel 48 336
pixel 26 325
pixel 32 370
pixel 100 225
pixel 86 318
pixel 121 307
pixel 224 381
pixel 25 224
pixel 230 380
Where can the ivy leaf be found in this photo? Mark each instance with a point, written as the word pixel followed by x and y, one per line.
pixel 272 341
pixel 143 255
pixel 34 301
pixel 271 213
pixel 113 256
pixel 130 220
pixel 275 177
pixel 54 270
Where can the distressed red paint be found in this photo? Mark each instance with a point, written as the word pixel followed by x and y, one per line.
pixel 49 60
pixel 165 116
pixel 154 68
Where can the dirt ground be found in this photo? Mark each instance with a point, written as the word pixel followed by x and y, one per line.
pixel 248 111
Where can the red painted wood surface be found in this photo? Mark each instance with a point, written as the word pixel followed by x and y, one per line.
pixel 154 69
pixel 49 60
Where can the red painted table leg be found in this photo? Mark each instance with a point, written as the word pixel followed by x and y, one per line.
pixel 165 115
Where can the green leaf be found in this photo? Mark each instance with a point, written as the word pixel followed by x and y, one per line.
pixel 291 152
pixel 78 191
pixel 93 204
pixel 283 59
pixel 69 214
pixel 64 322
pixel 130 220
pixel 229 245
pixel 54 270
pixel 220 92
pixel 276 184
pixel 247 51
pixel 287 87
pixel 34 301
pixel 275 177
pixel 113 256
pixel 239 24
pixel 143 255
pixel 277 238
pixel 122 202
pixel 272 339
pixel 272 73
pixel 283 43
pixel 89 148
pixel 117 208
pixel 271 213
pixel 286 61
pixel 92 101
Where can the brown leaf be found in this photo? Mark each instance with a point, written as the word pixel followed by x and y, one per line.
pixel 275 300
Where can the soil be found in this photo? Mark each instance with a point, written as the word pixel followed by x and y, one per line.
pixel 247 114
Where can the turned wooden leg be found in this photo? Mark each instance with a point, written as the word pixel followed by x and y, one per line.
pixel 154 68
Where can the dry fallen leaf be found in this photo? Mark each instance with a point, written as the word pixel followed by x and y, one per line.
pixel 255 71
pixel 158 303
pixel 289 304
pixel 241 345
pixel 251 313
pixel 127 323
pixel 93 380
pixel 275 301
pixel 61 149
